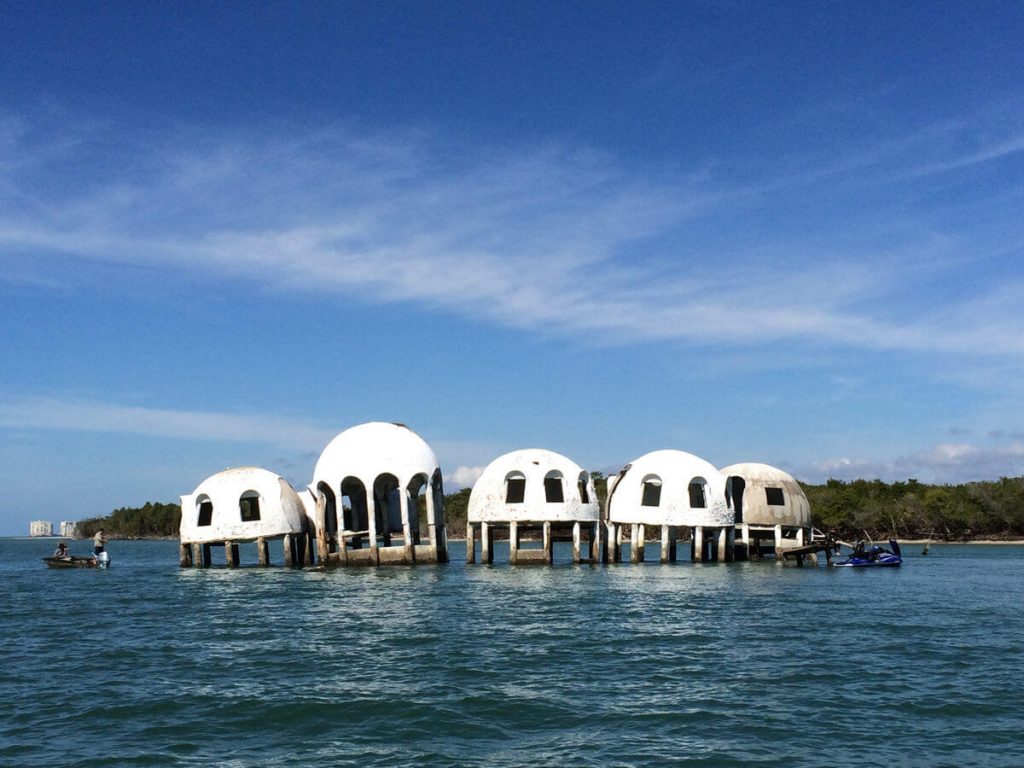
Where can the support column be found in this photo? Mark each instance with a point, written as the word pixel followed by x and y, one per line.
pixel 486 540
pixel 262 552
pixel 309 560
pixel 745 531
pixel 185 555
pixel 405 514
pixel 723 540
pixel 371 525
pixel 730 544
pixel 778 538
pixel 665 539
pixel 322 545
pixel 549 544
pixel 698 544
pixel 231 554
pixel 289 550
pixel 513 542
pixel 197 556
pixel 470 543
pixel 799 537
pixel 576 542
pixel 595 542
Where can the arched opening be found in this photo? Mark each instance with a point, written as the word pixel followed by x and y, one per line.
pixel 515 488
pixel 354 516
pixel 249 506
pixel 650 491
pixel 204 510
pixel 698 498
pixel 554 490
pixel 387 506
pixel 419 523
pixel 734 488
pixel 330 515
pixel 582 483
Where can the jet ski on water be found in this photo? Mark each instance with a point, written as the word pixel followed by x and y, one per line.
pixel 874 556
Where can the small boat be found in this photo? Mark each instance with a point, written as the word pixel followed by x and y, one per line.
pixel 70 562
pixel 874 556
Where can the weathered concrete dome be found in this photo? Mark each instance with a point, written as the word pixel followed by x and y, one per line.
pixel 369 450
pixel 533 485
pixel 672 488
pixel 764 495
pixel 241 504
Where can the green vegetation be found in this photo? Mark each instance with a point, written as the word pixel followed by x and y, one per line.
pixel 907 509
pixel 980 510
pixel 150 521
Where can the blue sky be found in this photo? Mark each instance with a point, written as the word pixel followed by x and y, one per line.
pixel 788 233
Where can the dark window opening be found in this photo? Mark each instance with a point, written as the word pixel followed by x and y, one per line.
pixel 553 493
pixel 584 496
pixel 205 513
pixel 697 500
pixel 651 494
pixel 775 497
pixel 250 508
pixel 515 490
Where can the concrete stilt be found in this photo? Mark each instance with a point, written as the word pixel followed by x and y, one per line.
pixel 722 554
pixel 486 540
pixel 513 542
pixel 799 537
pixel 309 559
pixel 548 543
pixel 777 544
pixel 576 542
pixel 288 543
pixel 595 542
pixel 665 539
pixel 410 547
pixel 231 554
pixel 730 544
pixel 262 552
pixel 185 555
pixel 470 543
pixel 698 544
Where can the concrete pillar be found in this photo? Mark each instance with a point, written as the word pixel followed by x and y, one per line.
pixel 723 541
pixel 513 542
pixel 549 545
pixel 799 537
pixel 184 555
pixel 595 542
pixel 309 559
pixel 371 520
pixel 745 538
pixel 730 544
pixel 665 539
pixel 470 543
pixel 262 552
pixel 231 553
pixel 778 538
pixel 576 542
pixel 322 545
pixel 197 556
pixel 486 540
pixel 289 550
pixel 406 514
pixel 698 544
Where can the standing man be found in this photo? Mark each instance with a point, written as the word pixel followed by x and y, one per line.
pixel 98 542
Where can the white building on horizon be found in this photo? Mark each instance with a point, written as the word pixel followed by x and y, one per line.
pixel 69 529
pixel 40 528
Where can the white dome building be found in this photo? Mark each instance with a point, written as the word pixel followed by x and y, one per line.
pixel 670 489
pixel 528 490
pixel 768 504
pixel 241 505
pixel 366 490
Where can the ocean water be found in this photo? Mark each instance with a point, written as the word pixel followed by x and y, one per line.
pixel 645 665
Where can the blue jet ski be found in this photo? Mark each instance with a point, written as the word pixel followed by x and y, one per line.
pixel 874 556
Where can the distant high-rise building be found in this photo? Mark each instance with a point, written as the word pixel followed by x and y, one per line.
pixel 40 528
pixel 68 528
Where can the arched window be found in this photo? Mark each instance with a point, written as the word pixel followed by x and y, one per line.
pixel 515 488
pixel 388 505
pixel 553 490
pixel 249 506
pixel 417 501
pixel 583 482
pixel 330 509
pixel 204 507
pixel 650 495
pixel 734 487
pixel 353 505
pixel 698 499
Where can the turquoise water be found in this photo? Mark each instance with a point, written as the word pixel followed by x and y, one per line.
pixel 740 664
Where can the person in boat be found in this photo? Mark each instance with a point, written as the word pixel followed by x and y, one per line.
pixel 98 542
pixel 61 552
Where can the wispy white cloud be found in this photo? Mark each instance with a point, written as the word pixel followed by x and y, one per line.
pixel 549 239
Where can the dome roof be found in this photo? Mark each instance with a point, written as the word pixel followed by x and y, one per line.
pixel 769 496
pixel 668 475
pixel 369 450
pixel 274 509
pixel 493 500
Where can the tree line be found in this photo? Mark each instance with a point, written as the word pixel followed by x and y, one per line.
pixel 850 509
